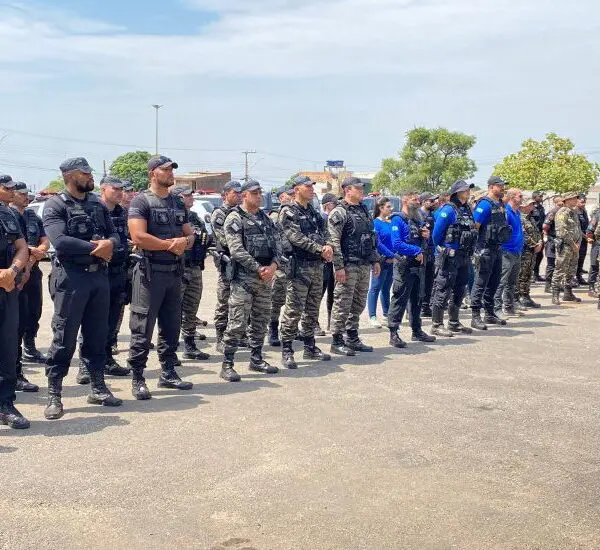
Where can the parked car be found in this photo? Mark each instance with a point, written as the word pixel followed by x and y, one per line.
pixel 38 207
pixel 204 209
pixel 214 199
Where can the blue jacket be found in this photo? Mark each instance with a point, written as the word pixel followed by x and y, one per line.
pixel 400 236
pixel 446 216
pixel 517 240
pixel 384 237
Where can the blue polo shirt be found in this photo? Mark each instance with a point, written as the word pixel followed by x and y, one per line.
pixel 401 236
pixel 446 216
pixel 384 237
pixel 515 244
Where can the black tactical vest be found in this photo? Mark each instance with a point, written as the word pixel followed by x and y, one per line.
pixel 359 240
pixel 9 233
pixel 312 225
pixel 218 218
pixel 462 232
pixel 167 217
pixel 197 254
pixel 85 219
pixel 414 229
pixel 119 219
pixel 32 223
pixel 497 231
pixel 259 239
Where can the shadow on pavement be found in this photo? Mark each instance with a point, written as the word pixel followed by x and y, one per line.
pixel 311 369
pixel 76 426
pixel 249 383
pixel 174 402
pixel 532 324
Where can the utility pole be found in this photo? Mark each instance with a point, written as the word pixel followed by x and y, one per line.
pixel 246 153
pixel 104 166
pixel 157 107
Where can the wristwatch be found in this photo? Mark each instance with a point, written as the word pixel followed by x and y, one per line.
pixel 15 269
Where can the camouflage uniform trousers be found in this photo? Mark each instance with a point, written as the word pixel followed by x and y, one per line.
pixel 222 308
pixel 249 298
pixel 528 259
pixel 280 284
pixel 191 294
pixel 350 298
pixel 303 301
pixel 566 267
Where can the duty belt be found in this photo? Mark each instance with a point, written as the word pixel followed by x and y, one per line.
pixel 116 269
pixel 89 268
pixel 308 263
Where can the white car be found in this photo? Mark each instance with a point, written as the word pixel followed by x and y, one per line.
pixel 38 207
pixel 204 208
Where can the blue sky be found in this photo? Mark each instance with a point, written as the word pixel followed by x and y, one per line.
pixel 299 81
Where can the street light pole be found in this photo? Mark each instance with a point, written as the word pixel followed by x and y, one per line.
pixel 157 107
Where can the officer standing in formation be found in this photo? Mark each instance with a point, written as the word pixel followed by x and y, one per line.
pixel 255 252
pixel 328 202
pixel 568 239
pixel 81 230
pixel 538 215
pixel 531 248
pixel 454 237
pixel 584 221
pixel 409 240
pixel 549 231
pixel 192 277
pixel 231 199
pixel 429 204
pixel 30 296
pixel 490 221
pixel 595 246
pixel 354 242
pixel 304 228
pixel 14 257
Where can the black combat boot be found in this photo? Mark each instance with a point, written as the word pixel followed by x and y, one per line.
pixel 548 287
pixel 568 296
pixel 83 374
pixel 190 350
pixel 355 343
pixel 526 301
pixel 419 335
pixel 228 373
pixel 258 364
pixel 555 297
pixel 581 280
pixel 274 334
pixel 30 353
pixel 220 333
pixel 454 324
pixel 311 351
pixel 437 323
pixel 11 417
pixel 426 311
pixel 139 389
pixel 319 331
pixel 476 321
pixel 539 278
pixel 170 379
pixel 287 355
pixel 339 347
pixel 491 318
pixel 395 339
pixel 113 368
pixel 54 409
pixel 25 385
pixel 100 394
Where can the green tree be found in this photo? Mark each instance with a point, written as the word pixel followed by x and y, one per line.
pixel 133 167
pixel 56 185
pixel 432 159
pixel 549 165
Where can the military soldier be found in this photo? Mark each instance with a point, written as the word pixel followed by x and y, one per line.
pixel 284 194
pixel 454 237
pixel 538 215
pixel 231 198
pixel 13 262
pixel 549 235
pixel 305 230
pixel 159 227
pixel 409 240
pixel 354 243
pixel 81 230
pixel 255 256
pixel 595 245
pixel 192 276
pixel 568 238
pixel 531 248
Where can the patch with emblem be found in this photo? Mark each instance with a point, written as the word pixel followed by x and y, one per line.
pixel 480 210
pixel 443 215
pixel 336 218
pixel 235 227
pixel 219 220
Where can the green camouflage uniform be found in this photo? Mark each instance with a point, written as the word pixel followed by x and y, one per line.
pixel 250 297
pixel 532 238
pixel 217 221
pixel 568 234
pixel 279 281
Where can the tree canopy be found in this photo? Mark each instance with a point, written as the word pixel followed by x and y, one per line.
pixel 132 166
pixel 432 159
pixel 548 165
pixel 56 185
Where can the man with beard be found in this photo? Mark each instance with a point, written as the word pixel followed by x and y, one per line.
pixel 80 228
pixel 537 216
pixel 549 230
pixel 494 231
pixel 429 204
pixel 409 240
pixel 159 227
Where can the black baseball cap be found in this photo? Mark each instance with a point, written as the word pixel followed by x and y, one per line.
pixel 232 185
pixel 460 185
pixel 496 180
pixel 161 160
pixel 76 164
pixel 352 181
pixel 251 185
pixel 7 181
pixel 112 181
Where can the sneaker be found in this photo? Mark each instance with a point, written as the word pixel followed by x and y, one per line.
pixel 374 322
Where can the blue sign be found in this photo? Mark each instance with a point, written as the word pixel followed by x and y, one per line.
pixel 335 163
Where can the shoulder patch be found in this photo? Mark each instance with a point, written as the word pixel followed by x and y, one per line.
pixel 479 209
pixel 235 226
pixel 336 218
pixel 443 215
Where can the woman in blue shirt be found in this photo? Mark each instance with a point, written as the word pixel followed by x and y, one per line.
pixel 383 283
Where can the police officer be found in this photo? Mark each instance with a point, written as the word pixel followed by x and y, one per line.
pixel 429 204
pixel 231 199
pixel 537 216
pixel 328 202
pixel 584 221
pixel 490 221
pixel 549 231
pixel 30 296
pixel 159 228
pixel 454 237
pixel 354 242
pixel 255 253
pixel 13 263
pixel 409 242
pixel 280 281
pixel 80 228
pixel 305 230
pixel 192 276
pixel 593 243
